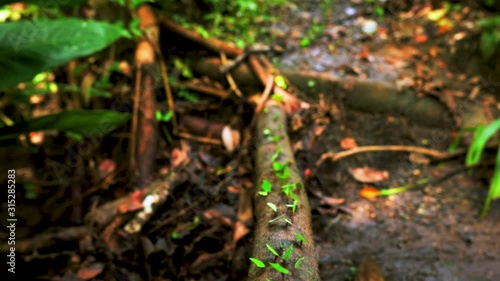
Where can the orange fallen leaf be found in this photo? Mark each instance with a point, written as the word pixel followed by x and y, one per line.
pixel 368 175
pixel 420 38
pixel 369 192
pixel 348 143
pixel 365 54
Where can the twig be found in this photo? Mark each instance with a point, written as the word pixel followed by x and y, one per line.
pixel 135 117
pixel 199 139
pixel 205 89
pixel 436 154
pixel 229 77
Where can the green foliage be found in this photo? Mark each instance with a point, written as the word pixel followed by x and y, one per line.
pixel 280 81
pixel 86 122
pixel 266 188
pixel 272 206
pixel 490 38
pixel 166 117
pixel 481 136
pixel 298 262
pixel 279 268
pixel 272 250
pixel 45 2
pixel 300 238
pixel 258 262
pixel 30 47
pixel 288 252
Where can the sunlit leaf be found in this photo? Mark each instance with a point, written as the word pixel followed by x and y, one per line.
pixel 280 81
pixel 272 250
pixel 494 192
pixel 288 252
pixel 279 268
pixel 481 137
pixel 300 237
pixel 258 262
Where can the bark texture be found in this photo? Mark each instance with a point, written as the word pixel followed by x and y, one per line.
pixel 280 234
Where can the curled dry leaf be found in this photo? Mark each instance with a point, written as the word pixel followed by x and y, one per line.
pixel 332 201
pixel 240 230
pixel 90 270
pixel 368 175
pixel 348 143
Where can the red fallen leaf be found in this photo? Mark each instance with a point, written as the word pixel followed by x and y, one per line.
pixel 90 271
pixel 307 173
pixel 420 38
pixel 348 143
pixel 365 54
pixel 368 175
pixel 106 167
pixel 369 192
pixel 332 201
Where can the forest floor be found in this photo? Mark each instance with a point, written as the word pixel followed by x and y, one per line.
pixel 430 233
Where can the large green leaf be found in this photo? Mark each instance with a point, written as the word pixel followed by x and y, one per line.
pixel 86 122
pixel 29 47
pixel 46 3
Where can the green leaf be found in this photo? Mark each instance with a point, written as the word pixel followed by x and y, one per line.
pixel 272 250
pixel 279 268
pixel 489 43
pixel 276 154
pixel 288 252
pixel 300 237
pixel 86 122
pixel 272 206
pixel 30 47
pixel 481 137
pixel 266 186
pixel 298 262
pixel 494 192
pixel 305 42
pixel 258 262
pixel 280 81
pixel 278 166
pixel 266 132
pixel 45 3
pixel 277 97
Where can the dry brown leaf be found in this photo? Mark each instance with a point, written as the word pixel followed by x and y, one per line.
pixel 332 201
pixel 418 158
pixel 348 143
pixel 90 270
pixel 368 175
pixel 240 230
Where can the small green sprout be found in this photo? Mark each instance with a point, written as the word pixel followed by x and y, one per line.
pixel 258 262
pixel 278 167
pixel 280 81
pixel 276 154
pixel 277 97
pixel 279 268
pixel 266 188
pixel 300 238
pixel 288 252
pixel 272 206
pixel 266 132
pixel 298 262
pixel 266 110
pixel 272 250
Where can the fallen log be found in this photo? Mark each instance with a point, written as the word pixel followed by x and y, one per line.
pixel 283 245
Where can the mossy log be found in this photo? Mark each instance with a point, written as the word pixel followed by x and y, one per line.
pixel 286 226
